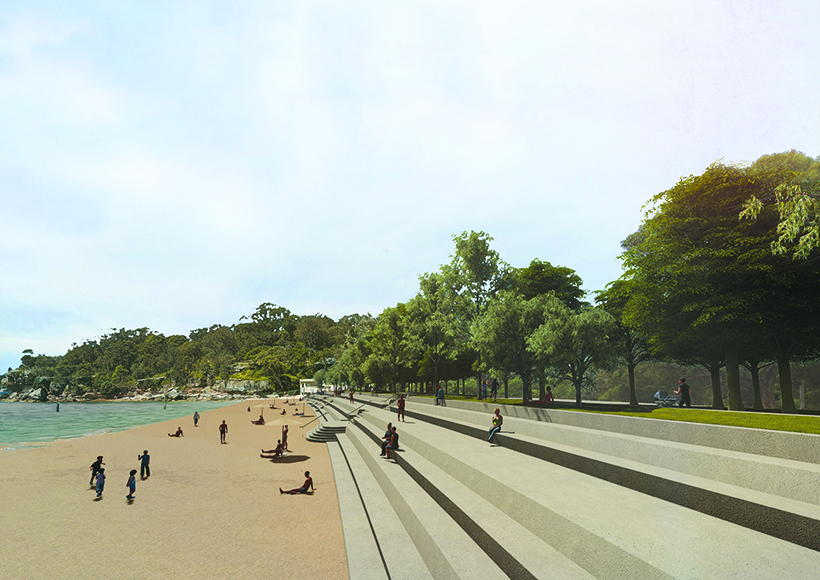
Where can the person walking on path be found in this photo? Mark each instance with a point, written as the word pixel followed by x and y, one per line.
pixel 400 405
pixel 683 391
pixel 132 484
pixel 498 420
pixel 440 396
pixel 494 390
pixel 196 418
pixel 95 469
pixel 145 464
pixel 223 430
pixel 386 439
pixel 305 486
pixel 100 481
pixel 351 396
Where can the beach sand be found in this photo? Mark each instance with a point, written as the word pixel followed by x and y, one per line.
pixel 209 510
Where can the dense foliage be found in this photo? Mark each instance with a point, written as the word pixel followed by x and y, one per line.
pixel 710 291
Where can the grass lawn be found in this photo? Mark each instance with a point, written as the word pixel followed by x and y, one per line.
pixel 775 421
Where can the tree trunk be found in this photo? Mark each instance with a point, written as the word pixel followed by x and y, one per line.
pixel 506 385
pixel 633 395
pixel 733 378
pixel 714 372
pixel 784 371
pixel 754 370
pixel 767 388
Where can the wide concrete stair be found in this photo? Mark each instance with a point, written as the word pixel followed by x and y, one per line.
pixel 563 494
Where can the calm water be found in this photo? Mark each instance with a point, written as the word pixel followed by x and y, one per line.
pixel 39 422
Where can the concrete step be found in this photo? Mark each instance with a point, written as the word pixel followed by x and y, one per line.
pixel 608 530
pixel 326 431
pixel 447 551
pixel 516 550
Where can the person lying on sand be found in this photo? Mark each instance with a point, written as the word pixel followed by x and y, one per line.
pixel 177 434
pixel 277 453
pixel 260 421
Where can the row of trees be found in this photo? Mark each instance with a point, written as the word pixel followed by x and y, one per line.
pixel 722 274
pixel 709 282
pixel 270 344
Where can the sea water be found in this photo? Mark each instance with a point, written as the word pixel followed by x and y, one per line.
pixel 34 423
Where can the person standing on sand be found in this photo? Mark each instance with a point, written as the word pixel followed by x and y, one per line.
pixel 285 438
pixel 145 464
pixel 100 481
pixel 196 418
pixel 305 486
pixel 95 469
pixel 223 430
pixel 132 484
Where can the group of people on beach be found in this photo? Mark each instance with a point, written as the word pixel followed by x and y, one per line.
pixel 98 471
pixel 98 475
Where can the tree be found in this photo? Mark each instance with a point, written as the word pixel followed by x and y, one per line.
pixel 575 344
pixel 797 200
pixel 391 342
pixel 473 276
pixel 704 276
pixel 631 343
pixel 431 333
pixel 501 333
pixel 542 278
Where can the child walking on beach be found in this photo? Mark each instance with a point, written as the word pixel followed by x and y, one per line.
pixel 132 484
pixel 100 481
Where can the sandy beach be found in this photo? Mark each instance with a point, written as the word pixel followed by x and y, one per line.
pixel 208 510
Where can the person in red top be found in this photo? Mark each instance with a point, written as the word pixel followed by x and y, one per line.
pixel 548 396
pixel 400 405
pixel 351 395
pixel 305 486
pixel 223 430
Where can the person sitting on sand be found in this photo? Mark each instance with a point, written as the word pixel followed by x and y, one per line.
pixel 261 421
pixel 177 434
pixel 277 453
pixel 305 486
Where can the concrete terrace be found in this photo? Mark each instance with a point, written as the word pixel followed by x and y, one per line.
pixel 568 495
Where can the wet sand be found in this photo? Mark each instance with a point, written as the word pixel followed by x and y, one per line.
pixel 208 510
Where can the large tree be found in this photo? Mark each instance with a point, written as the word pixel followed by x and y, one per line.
pixel 705 278
pixel 473 276
pixel 542 278
pixel 575 343
pixel 631 342
pixel 501 333
pixel 430 329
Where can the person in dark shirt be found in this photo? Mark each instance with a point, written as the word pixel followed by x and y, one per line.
pixel 95 469
pixel 393 445
pixel 683 391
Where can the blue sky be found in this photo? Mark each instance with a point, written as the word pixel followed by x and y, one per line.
pixel 174 165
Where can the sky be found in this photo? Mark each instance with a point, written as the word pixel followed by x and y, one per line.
pixel 173 165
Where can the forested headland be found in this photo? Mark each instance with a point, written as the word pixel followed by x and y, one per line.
pixel 721 285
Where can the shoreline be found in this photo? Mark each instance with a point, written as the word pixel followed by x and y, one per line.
pixel 207 508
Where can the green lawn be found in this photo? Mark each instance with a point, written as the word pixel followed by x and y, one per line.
pixel 775 421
